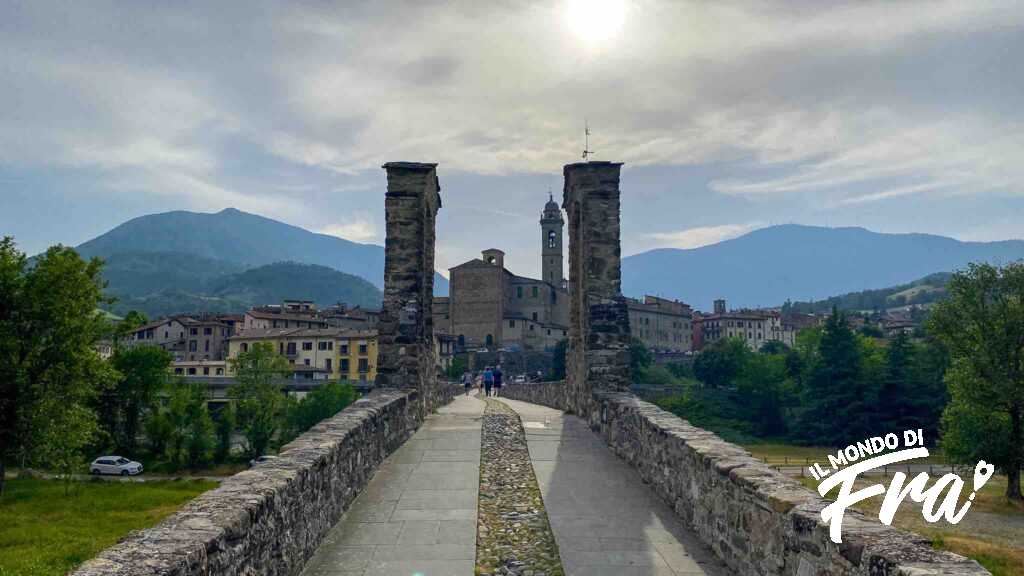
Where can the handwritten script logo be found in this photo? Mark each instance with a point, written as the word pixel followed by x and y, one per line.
pixel 854 460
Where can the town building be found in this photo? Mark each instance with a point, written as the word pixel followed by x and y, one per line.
pixel 491 308
pixel 288 314
pixel 753 327
pixel 662 325
pixel 316 353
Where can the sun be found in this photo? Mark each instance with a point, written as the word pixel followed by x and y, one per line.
pixel 595 21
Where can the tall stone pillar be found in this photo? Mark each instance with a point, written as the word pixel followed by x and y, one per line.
pixel 406 331
pixel 598 353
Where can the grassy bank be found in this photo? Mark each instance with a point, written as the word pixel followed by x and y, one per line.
pixel 45 533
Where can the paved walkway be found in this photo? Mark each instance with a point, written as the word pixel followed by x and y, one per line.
pixel 418 515
pixel 605 519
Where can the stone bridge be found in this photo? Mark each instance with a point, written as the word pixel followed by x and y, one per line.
pixel 574 477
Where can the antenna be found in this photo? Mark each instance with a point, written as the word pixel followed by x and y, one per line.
pixel 587 152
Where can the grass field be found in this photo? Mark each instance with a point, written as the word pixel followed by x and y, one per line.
pixel 990 533
pixel 45 533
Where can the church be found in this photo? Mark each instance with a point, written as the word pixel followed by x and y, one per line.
pixel 490 307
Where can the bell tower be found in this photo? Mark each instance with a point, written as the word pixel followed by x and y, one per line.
pixel 551 226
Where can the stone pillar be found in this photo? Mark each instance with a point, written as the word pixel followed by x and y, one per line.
pixel 598 352
pixel 406 330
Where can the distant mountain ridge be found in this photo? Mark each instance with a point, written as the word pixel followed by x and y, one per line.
pixel 151 283
pixel 244 239
pixel 927 290
pixel 794 262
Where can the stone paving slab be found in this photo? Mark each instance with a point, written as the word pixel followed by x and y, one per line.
pixel 418 513
pixel 605 519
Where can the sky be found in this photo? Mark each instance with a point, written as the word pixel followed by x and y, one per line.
pixel 729 116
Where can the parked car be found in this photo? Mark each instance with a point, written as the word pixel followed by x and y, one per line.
pixel 116 465
pixel 259 459
pixel 521 379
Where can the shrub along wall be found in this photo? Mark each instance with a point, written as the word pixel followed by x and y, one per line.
pixel 271 518
pixel 756 519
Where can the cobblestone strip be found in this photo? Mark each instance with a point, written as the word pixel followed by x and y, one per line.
pixel 513 533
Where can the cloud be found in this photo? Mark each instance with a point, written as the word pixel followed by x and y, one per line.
pixel 795 110
pixel 701 236
pixel 356 231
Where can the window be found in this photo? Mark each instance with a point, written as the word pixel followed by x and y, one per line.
pixel 306 361
pixel 207 346
pixel 327 365
pixel 325 345
pixel 220 371
pixel 291 348
pixel 307 345
pixel 178 371
pixel 362 349
pixel 364 365
pixel 191 371
pixel 273 324
pixel 511 323
pixel 206 370
pixel 193 331
pixel 207 331
pixel 536 291
pixel 193 345
pixel 519 291
pixel 343 348
pixel 549 332
pixel 167 335
pixel 344 366
pixel 534 318
pixel 245 347
pixel 552 239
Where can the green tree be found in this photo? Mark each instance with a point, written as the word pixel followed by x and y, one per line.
pixel 260 401
pixel 225 424
pixel 189 429
pixel 982 325
pixel 456 369
pixel 322 403
pixel 50 372
pixel 144 373
pixel 639 357
pixel 132 320
pixel 719 364
pixel 836 399
pixel 773 347
pixel 763 384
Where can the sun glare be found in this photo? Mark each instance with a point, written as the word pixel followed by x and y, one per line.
pixel 595 21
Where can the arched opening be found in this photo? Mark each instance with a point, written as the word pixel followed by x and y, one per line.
pixel 489 341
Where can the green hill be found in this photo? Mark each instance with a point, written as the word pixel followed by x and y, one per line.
pixel 924 291
pixel 163 283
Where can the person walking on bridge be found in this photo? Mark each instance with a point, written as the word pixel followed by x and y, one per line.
pixel 488 380
pixel 497 380
pixel 467 381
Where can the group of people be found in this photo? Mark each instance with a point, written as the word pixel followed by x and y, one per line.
pixel 489 380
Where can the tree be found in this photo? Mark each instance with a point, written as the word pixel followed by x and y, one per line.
pixel 64 432
pixel 773 347
pixel 144 373
pixel 322 403
pixel 639 357
pixel 558 361
pixel 50 372
pixel 837 400
pixel 225 426
pixel 982 325
pixel 189 429
pixel 132 320
pixel 719 364
pixel 766 389
pixel 260 401
pixel 456 369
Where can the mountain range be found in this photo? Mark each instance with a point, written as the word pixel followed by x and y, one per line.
pixel 227 261
pixel 768 266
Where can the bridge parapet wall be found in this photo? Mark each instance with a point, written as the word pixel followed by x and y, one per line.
pixel 755 519
pixel 271 518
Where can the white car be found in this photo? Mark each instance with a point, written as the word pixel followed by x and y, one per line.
pixel 117 465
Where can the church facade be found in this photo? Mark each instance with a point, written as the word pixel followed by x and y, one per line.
pixel 490 307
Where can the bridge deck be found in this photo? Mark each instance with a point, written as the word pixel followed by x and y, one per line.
pixel 418 515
